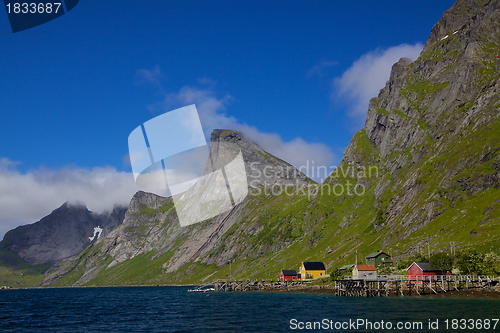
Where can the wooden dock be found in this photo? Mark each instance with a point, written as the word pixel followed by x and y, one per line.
pixel 395 285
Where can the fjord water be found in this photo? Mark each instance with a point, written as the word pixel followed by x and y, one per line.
pixel 173 309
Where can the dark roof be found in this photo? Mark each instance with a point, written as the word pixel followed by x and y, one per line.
pixel 376 254
pixel 288 272
pixel 424 266
pixel 314 266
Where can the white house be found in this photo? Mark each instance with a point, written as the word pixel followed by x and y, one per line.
pixel 364 272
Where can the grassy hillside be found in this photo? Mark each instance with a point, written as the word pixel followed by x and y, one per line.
pixel 16 273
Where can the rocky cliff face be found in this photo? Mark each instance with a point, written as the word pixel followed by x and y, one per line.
pixel 435 127
pixel 62 234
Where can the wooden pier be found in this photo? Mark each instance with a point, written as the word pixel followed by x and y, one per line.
pixel 395 285
pixel 405 285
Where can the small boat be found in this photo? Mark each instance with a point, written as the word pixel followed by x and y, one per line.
pixel 201 290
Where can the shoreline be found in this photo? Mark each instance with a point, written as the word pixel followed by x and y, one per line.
pixel 480 293
pixel 122 286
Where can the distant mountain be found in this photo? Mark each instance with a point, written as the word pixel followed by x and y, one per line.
pixel 62 234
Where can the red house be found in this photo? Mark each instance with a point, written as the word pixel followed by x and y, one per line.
pixel 422 269
pixel 288 275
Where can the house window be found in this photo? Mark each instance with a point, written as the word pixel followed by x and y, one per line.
pixel 320 274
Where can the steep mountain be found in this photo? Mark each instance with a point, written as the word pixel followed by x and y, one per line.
pixel 151 230
pixel 62 234
pixel 435 129
pixel 424 171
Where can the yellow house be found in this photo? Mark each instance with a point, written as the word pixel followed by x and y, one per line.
pixel 312 270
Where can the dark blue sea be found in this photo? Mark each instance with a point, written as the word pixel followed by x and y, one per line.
pixel 173 309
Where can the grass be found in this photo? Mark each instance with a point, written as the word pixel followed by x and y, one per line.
pixel 145 210
pixel 382 111
pixel 16 273
pixel 423 89
pixel 401 114
pixel 140 270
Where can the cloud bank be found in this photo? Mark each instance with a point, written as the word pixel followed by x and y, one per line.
pixel 367 75
pixel 27 197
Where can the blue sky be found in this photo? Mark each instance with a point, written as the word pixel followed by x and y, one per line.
pixel 286 72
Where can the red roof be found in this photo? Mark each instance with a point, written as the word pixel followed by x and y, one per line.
pixel 366 268
pixel 425 267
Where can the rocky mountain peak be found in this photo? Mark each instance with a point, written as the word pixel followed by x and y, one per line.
pixel 61 234
pixel 262 168
pixel 67 206
pixel 463 16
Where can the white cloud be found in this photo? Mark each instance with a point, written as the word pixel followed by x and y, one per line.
pixel 367 75
pixel 153 76
pixel 212 111
pixel 27 197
